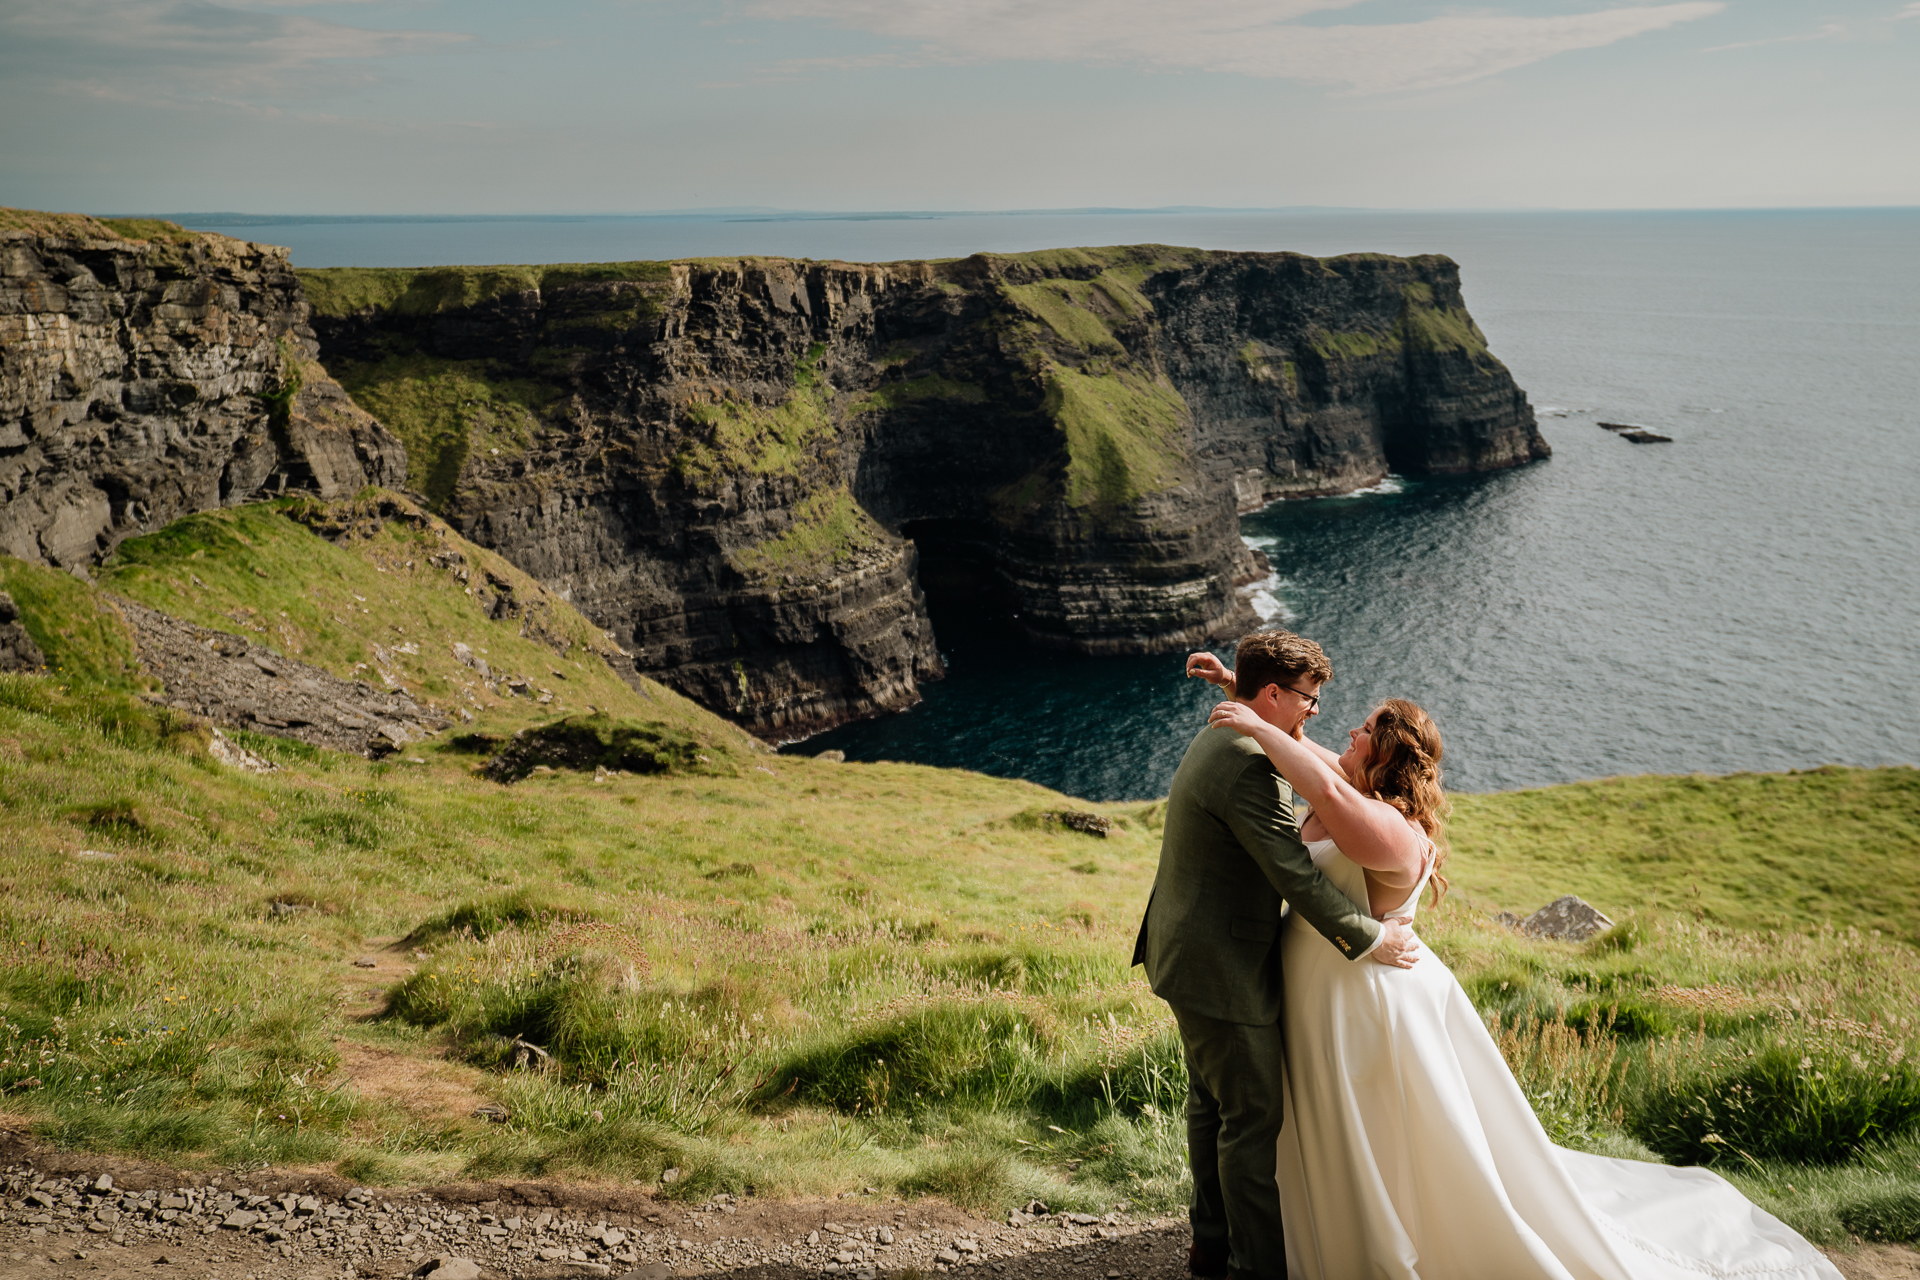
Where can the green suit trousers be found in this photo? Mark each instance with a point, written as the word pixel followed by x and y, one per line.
pixel 1233 1132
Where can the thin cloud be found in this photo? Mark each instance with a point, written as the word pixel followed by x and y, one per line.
pixel 230 51
pixel 1244 37
pixel 1911 11
pixel 1827 32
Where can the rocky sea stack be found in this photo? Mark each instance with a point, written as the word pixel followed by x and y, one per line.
pixel 753 472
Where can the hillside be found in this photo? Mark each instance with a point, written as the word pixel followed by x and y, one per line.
pixel 791 974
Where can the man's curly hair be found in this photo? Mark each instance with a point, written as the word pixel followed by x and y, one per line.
pixel 1277 657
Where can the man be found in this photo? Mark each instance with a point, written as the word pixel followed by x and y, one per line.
pixel 1231 864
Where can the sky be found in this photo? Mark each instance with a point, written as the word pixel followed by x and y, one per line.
pixel 626 106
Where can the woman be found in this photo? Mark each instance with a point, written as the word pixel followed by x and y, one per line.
pixel 1409 1150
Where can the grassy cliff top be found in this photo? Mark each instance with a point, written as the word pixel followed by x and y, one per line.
pixel 343 291
pixel 83 226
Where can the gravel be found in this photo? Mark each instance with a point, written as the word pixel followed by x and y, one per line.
pixel 228 1228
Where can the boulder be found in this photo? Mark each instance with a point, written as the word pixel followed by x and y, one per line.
pixel 1568 919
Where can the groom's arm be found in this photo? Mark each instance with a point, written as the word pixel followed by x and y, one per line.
pixel 1260 815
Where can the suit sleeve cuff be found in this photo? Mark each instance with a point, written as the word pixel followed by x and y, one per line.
pixel 1371 947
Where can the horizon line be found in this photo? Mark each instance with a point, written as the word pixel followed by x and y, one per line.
pixel 761 213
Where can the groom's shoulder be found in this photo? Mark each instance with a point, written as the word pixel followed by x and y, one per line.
pixel 1215 750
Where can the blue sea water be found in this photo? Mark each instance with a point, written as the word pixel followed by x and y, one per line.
pixel 1743 598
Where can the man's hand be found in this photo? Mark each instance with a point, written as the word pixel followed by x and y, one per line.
pixel 1204 666
pixel 1399 944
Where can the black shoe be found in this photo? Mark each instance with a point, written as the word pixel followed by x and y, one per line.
pixel 1207 1260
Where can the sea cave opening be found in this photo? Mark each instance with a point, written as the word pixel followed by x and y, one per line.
pixel 967 598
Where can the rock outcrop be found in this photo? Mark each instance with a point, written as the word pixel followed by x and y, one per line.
pixel 151 374
pixel 242 685
pixel 1567 918
pixel 751 472
pixel 18 652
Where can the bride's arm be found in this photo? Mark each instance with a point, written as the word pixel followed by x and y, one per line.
pixel 1204 666
pixel 1370 832
pixel 1330 758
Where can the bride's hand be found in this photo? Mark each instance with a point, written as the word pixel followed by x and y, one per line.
pixel 1237 716
pixel 1204 666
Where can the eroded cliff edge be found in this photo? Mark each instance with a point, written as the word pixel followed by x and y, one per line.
pixel 750 470
pixel 147 373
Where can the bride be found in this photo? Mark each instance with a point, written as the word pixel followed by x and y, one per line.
pixel 1408 1149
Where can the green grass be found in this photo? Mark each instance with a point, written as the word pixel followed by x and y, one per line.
pixel 386 606
pixel 1077 311
pixel 893 395
pixel 1359 344
pixel 85 226
pixel 804 976
pixel 829 528
pixel 82 635
pixel 151 229
pixel 339 292
pixel 1125 435
pixel 761 440
pixel 446 412
pixel 1750 851
pixel 1425 327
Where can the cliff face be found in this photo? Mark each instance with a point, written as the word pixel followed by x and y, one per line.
pixel 750 471
pixel 148 375
pixel 1310 376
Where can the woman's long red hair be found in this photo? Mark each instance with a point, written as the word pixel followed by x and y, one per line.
pixel 1404 771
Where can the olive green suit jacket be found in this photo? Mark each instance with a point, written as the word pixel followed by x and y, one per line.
pixel 1230 857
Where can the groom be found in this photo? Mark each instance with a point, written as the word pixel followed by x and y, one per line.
pixel 1231 863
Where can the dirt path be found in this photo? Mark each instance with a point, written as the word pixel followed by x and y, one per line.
pixel 66 1214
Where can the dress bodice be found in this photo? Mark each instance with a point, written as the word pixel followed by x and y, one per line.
pixel 1351 878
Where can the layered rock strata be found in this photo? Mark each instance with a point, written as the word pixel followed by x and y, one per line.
pixel 149 375
pixel 752 472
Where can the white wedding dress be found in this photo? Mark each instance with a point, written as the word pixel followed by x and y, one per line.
pixel 1409 1150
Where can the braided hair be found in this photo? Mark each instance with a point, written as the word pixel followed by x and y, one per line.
pixel 1404 771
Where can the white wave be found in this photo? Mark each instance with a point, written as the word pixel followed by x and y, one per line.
pixel 1260 542
pixel 1265 599
pixel 1694 408
pixel 1560 410
pixel 1392 484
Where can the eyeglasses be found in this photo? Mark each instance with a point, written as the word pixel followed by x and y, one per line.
pixel 1313 699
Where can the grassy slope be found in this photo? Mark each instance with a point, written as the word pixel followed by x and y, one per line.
pixel 802 976
pixel 357 606
pixel 1750 851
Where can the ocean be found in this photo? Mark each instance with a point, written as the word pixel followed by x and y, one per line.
pixel 1743 598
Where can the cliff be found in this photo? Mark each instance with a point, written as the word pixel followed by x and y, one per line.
pixel 147 373
pixel 753 472
pixel 750 470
